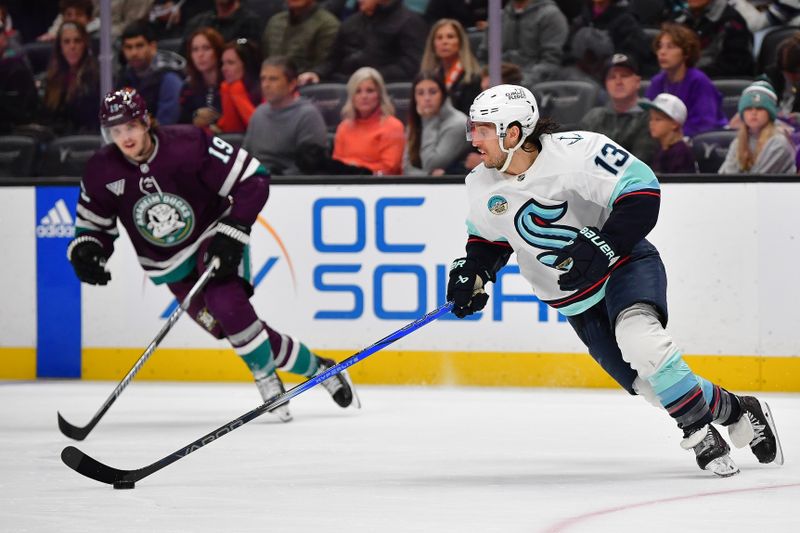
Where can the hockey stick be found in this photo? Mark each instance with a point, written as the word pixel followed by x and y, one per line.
pixel 80 433
pixel 92 468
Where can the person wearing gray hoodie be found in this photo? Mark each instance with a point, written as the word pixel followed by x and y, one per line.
pixel 285 122
pixel 534 34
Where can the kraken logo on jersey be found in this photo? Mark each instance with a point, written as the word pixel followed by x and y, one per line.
pixel 163 218
pixel 535 224
pixel 497 205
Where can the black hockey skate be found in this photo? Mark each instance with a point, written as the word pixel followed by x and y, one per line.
pixel 270 387
pixel 339 386
pixel 711 451
pixel 756 428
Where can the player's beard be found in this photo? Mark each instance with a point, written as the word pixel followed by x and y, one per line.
pixel 147 148
pixel 496 162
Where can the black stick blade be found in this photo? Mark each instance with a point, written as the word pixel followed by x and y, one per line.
pixel 92 468
pixel 73 432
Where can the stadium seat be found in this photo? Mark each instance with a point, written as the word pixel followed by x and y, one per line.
pixel 475 38
pixel 400 93
pixel 67 156
pixel 710 149
pixel 731 90
pixel 329 98
pixel 38 54
pixel 566 101
pixel 236 139
pixel 171 45
pixel 16 156
pixel 767 54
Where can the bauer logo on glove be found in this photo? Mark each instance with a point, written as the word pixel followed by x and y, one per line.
pixel 585 260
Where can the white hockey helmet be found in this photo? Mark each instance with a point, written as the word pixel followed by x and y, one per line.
pixel 503 105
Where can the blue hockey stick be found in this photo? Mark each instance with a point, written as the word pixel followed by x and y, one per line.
pixel 125 479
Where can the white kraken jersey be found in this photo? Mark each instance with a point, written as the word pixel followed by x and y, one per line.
pixel 574 182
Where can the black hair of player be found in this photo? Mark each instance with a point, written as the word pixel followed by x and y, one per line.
pixel 544 126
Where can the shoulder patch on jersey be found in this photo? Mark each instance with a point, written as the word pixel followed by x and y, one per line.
pixel 163 219
pixel 497 205
pixel 117 187
pixel 571 138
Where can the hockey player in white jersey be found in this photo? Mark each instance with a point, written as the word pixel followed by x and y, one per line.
pixel 575 207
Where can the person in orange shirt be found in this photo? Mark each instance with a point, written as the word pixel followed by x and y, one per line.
pixel 369 136
pixel 240 91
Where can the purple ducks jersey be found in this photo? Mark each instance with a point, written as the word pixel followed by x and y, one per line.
pixel 171 202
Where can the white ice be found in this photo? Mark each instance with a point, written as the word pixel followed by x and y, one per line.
pixel 413 459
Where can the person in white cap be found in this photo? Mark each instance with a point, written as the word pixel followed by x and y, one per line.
pixel 667 116
pixel 759 147
pixel 575 207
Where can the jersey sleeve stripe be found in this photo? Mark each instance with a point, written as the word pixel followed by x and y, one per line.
pixel 87 214
pixel 474 238
pixel 83 224
pixel 251 169
pixel 233 175
pixel 637 177
pixel 655 193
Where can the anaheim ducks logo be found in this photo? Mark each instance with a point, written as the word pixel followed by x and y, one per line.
pixel 163 218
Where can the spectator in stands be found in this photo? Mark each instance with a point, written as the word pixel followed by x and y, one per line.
pixel 200 99
pixel 230 19
pixel 72 85
pixel 768 14
pixel 510 74
pixel 667 116
pixel 156 74
pixel 17 88
pixel 435 141
pixel 369 136
pixel 616 18
pixel 304 32
pixel 239 91
pixel 725 42
pixel 448 52
pixel 126 12
pixel 784 76
pixel 678 50
pixel 759 147
pixel 384 35
pixel 469 13
pixel 169 17
pixel 286 122
pixel 534 34
pixel 622 119
pixel 80 11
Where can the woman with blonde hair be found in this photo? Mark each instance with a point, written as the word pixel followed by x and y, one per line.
pixel 369 136
pixel 448 52
pixel 760 147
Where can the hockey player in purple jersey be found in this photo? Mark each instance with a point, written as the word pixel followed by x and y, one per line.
pixel 576 207
pixel 183 198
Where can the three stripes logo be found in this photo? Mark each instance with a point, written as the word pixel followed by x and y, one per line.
pixel 58 222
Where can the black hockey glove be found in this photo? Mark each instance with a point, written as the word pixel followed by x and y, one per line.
pixel 228 244
pixel 586 259
pixel 89 261
pixel 465 287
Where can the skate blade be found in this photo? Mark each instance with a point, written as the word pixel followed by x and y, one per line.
pixel 283 414
pixel 356 400
pixel 778 449
pixel 723 466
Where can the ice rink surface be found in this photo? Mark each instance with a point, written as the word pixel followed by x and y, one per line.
pixel 413 459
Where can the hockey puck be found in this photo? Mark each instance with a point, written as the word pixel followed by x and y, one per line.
pixel 124 484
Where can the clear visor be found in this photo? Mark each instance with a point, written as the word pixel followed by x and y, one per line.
pixel 121 132
pixel 481 131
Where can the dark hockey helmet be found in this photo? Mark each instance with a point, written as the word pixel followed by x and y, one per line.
pixel 121 106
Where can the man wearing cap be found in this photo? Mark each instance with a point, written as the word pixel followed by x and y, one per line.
pixel 667 116
pixel 622 119
pixel 759 147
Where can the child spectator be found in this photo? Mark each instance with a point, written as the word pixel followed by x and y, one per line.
pixel 759 147
pixel 72 84
pixel 200 99
pixel 435 143
pixel 239 92
pixel 678 49
pixel 448 52
pixel 667 116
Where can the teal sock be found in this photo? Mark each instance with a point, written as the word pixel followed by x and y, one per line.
pixel 260 360
pixel 306 363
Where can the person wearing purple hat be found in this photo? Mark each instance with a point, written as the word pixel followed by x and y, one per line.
pixel 667 116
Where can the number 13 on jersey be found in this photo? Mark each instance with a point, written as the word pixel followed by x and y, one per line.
pixel 611 158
